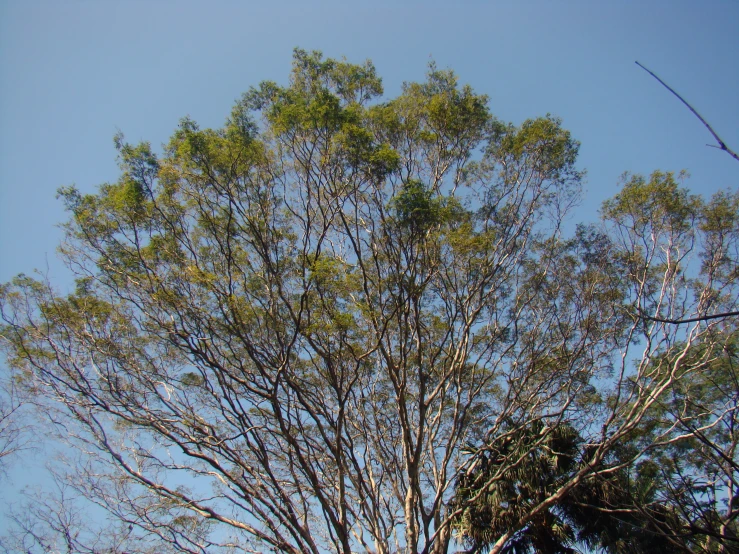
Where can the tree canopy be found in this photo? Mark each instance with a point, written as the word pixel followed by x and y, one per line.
pixel 347 323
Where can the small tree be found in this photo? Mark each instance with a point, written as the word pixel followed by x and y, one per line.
pixel 286 332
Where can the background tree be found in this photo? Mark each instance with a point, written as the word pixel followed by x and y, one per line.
pixel 55 520
pixel 693 438
pixel 693 430
pixel 286 331
pixel 671 480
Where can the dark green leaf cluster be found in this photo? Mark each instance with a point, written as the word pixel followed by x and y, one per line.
pixel 606 508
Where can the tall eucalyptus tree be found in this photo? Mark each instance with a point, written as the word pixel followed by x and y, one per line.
pixel 286 331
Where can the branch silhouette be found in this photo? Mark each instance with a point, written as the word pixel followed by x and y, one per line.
pixel 721 143
pixel 688 320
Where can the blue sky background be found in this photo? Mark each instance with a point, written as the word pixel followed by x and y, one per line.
pixel 74 72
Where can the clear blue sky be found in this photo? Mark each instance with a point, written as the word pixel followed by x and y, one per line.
pixel 73 72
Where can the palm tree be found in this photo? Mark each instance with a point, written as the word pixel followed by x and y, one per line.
pixel 522 467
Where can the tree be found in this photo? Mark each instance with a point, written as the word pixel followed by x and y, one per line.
pixel 499 503
pixel 613 510
pixel 672 479
pixel 694 431
pixel 286 332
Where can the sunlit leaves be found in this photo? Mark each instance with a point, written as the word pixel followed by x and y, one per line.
pixel 657 203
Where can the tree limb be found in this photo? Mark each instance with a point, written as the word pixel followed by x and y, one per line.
pixel 721 143
pixel 689 320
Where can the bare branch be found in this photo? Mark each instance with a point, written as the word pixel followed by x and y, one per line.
pixel 721 143
pixel 688 320
pixel 14 432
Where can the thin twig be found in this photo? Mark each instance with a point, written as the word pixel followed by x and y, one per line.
pixel 721 143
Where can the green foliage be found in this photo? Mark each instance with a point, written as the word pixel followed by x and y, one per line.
pixel 658 202
pixel 524 466
pixel 551 149
pixel 510 476
pixel 419 209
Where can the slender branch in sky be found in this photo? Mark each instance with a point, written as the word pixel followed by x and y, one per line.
pixel 721 143
pixel 689 320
